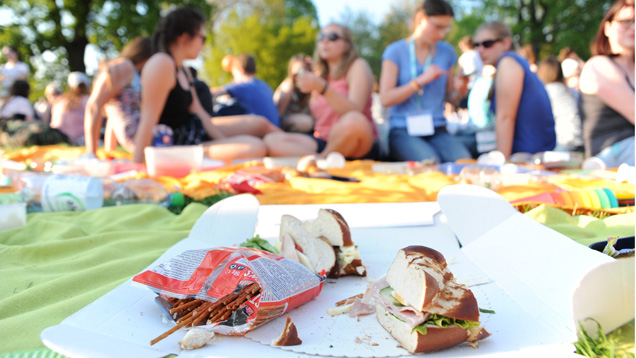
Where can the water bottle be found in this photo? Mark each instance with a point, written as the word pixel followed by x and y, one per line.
pixel 162 136
pixel 52 192
pixel 139 191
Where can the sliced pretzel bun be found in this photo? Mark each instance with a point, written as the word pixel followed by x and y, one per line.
pixel 418 275
pixel 332 226
pixel 318 251
pixel 289 336
pixel 435 339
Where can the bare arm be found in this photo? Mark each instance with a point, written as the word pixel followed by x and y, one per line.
pixel 391 94
pixel 157 80
pixel 359 79
pixel 108 85
pixel 602 78
pixel 283 95
pixel 198 109
pixel 218 91
pixel 509 86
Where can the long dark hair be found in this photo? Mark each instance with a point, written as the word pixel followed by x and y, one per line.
pixel 179 21
pixel 601 45
pixel 137 50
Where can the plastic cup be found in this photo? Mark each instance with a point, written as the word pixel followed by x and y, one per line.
pixel 177 161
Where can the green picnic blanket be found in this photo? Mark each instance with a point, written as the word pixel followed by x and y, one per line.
pixel 584 229
pixel 60 262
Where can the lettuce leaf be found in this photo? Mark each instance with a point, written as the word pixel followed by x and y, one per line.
pixel 257 243
pixel 443 321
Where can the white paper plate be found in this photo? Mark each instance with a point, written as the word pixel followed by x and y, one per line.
pixel 343 336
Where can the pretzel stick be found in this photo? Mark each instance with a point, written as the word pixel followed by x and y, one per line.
pixel 184 306
pixel 206 309
pixel 172 330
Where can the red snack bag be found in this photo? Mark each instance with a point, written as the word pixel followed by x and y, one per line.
pixel 212 274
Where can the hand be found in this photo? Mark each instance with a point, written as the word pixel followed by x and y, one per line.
pixel 307 82
pixel 432 73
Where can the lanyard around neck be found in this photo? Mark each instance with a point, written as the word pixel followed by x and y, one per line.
pixel 413 61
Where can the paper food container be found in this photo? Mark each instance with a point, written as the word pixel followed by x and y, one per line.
pixel 522 270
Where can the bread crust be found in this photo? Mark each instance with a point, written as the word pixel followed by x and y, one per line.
pixel 289 336
pixel 435 339
pixel 346 231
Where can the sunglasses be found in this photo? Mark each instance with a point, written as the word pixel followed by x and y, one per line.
pixel 331 36
pixel 487 43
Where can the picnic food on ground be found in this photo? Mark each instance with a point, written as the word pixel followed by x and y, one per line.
pixel 194 312
pixel 229 290
pixel 300 245
pixel 332 226
pixel 422 306
pixel 321 244
pixel 289 336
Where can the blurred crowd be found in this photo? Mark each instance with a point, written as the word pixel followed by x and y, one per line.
pixel 429 103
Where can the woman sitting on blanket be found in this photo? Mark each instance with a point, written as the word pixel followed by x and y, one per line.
pixel 607 89
pixel 523 114
pixel 416 80
pixel 116 95
pixel 341 89
pixel 168 95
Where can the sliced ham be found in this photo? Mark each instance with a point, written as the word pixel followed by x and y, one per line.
pixel 406 313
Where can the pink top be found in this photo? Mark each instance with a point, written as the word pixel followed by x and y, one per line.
pixel 69 120
pixel 325 115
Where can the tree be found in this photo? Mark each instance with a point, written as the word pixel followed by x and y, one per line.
pixel 272 31
pixel 56 33
pixel 549 25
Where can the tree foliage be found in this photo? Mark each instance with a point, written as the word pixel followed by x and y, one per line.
pixel 52 35
pixel 549 25
pixel 272 33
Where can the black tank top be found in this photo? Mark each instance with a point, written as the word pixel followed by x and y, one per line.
pixel 602 125
pixel 177 108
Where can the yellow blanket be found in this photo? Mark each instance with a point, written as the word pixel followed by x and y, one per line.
pixel 373 187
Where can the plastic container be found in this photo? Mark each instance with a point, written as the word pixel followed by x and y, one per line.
pixel 139 191
pixel 71 193
pixel 554 159
pixel 176 161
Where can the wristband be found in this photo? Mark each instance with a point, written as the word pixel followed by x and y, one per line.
pixel 324 88
pixel 417 88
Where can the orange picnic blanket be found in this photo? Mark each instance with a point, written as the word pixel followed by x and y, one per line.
pixel 372 188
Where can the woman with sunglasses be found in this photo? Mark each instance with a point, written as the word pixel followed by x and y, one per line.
pixel 523 114
pixel 168 94
pixel 341 89
pixel 607 89
pixel 415 82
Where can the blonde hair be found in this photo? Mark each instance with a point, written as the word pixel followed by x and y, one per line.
pixel 347 58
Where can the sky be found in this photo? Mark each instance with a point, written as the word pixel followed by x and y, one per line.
pixel 329 10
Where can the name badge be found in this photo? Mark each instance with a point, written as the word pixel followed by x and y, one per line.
pixel 420 125
pixel 486 141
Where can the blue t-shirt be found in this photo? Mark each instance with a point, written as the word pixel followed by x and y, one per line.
pixel 434 92
pixel 257 97
pixel 534 125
